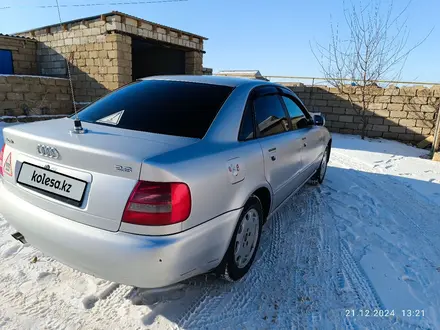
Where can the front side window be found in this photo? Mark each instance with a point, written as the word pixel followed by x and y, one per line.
pixel 158 106
pixel 297 116
pixel 270 117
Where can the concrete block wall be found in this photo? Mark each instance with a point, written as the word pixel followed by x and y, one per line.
pixel 27 96
pixel 24 54
pixel 194 63
pixel 101 67
pixel 94 57
pixel 405 114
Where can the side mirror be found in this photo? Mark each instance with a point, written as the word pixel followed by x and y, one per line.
pixel 319 120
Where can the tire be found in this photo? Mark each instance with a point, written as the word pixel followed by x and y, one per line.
pixel 319 175
pixel 233 268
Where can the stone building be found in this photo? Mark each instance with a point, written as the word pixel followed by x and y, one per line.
pixel 108 51
pixel 18 55
pixel 104 53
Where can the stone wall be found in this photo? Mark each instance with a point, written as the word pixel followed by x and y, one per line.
pixel 27 96
pixel 194 63
pixel 101 67
pixel 404 114
pixel 24 54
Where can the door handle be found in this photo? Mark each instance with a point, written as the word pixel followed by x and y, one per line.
pixel 272 149
pixel 304 138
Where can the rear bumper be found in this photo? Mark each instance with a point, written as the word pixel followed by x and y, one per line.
pixel 142 261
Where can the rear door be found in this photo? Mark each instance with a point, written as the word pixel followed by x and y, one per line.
pixel 281 149
pixel 304 128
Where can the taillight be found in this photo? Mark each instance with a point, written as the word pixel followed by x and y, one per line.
pixel 1 159
pixel 158 204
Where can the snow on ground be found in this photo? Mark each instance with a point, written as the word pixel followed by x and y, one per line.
pixel 366 240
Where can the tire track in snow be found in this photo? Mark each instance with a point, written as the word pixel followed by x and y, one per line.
pixel 393 219
pixel 354 285
pixel 416 220
pixel 198 306
pixel 301 248
pixel 218 296
pixel 234 299
pixel 273 235
pixel 90 300
pixel 359 282
pixel 303 268
pixel 327 268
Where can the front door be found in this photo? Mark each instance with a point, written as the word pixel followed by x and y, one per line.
pixel 311 135
pixel 313 149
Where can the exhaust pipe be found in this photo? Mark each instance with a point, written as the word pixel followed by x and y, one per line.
pixel 19 237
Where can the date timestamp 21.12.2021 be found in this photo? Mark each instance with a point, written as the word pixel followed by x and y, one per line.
pixel 384 312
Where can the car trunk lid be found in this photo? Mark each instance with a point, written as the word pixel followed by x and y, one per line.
pixel 101 167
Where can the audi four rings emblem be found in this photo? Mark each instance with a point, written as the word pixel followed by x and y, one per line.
pixel 47 151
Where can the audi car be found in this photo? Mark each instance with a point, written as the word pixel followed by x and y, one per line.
pixel 161 180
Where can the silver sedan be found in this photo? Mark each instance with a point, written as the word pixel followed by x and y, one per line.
pixel 164 179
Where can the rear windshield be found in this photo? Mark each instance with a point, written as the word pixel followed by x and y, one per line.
pixel 157 106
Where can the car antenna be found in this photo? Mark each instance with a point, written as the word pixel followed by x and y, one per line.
pixel 77 126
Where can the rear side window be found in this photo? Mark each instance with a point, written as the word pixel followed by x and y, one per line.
pixel 247 125
pixel 270 116
pixel 158 106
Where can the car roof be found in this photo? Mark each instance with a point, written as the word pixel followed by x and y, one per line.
pixel 213 80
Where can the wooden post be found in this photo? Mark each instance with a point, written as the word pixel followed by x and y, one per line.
pixel 436 143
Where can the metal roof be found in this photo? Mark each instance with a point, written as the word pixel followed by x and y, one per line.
pixel 16 37
pixel 249 72
pixel 116 13
pixel 256 74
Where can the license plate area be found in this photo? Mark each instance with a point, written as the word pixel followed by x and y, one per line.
pixel 58 186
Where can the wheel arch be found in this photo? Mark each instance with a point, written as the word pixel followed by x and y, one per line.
pixel 264 194
pixel 329 145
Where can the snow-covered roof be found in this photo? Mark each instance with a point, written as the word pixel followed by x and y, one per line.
pixel 256 74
